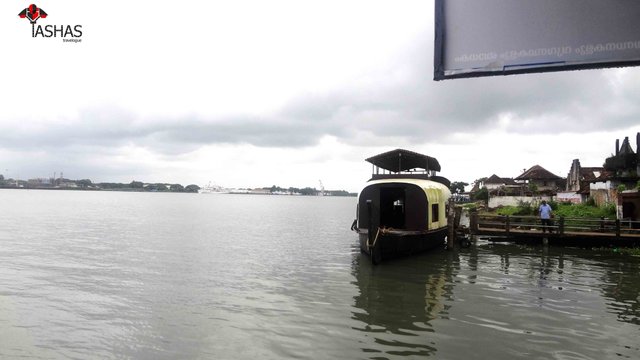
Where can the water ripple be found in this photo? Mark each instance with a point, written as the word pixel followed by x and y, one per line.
pixel 165 276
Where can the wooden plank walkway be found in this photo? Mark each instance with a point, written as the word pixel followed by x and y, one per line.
pixel 565 231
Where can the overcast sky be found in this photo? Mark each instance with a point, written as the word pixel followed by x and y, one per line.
pixel 259 93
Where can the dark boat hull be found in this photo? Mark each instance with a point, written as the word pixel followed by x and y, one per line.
pixel 397 243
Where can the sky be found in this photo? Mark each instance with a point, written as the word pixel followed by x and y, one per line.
pixel 290 93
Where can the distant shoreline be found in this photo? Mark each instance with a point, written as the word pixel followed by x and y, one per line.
pixel 168 191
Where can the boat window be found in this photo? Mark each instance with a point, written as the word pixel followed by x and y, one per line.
pixel 435 214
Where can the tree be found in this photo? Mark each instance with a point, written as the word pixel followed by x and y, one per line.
pixel 176 188
pixel 309 191
pixel 84 183
pixel 457 187
pixel 111 185
pixel 481 180
pixel 136 185
pixel 192 188
pixel 482 194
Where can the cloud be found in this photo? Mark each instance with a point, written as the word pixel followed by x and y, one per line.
pixel 365 82
pixel 411 110
pixel 398 102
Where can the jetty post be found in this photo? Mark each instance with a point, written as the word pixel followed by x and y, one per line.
pixel 473 223
pixel 452 231
pixel 454 216
pixel 454 213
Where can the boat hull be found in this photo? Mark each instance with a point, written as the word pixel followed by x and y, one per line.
pixel 385 245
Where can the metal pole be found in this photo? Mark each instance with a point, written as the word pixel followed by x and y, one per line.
pixel 370 225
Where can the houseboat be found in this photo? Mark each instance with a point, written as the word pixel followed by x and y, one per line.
pixel 402 209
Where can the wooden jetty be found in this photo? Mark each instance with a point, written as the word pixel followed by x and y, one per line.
pixel 564 231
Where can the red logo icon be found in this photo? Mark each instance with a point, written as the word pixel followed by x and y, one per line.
pixel 33 13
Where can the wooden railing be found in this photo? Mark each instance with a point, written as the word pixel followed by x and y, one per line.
pixel 560 225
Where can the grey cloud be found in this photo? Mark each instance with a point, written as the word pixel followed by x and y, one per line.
pixel 400 102
pixel 419 110
pixel 74 162
pixel 112 129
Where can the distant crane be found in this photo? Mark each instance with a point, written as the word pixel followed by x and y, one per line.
pixel 321 188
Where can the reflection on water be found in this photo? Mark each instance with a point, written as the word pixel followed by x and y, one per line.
pixel 621 287
pixel 500 301
pixel 400 304
pixel 90 275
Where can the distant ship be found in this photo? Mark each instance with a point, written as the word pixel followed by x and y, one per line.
pixel 213 189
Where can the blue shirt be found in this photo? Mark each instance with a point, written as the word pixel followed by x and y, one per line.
pixel 545 211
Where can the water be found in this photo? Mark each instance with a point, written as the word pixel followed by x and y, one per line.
pixel 108 275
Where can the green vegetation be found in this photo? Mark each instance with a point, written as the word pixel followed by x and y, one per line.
pixel 587 211
pixel 307 191
pixel 482 194
pixel 562 209
pixel 457 187
pixel 470 206
pixel 628 251
pixel 622 250
pixel 139 186
pixel 523 209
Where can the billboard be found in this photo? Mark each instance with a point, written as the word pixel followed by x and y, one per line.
pixel 501 37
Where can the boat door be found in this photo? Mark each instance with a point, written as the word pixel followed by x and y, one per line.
pixel 393 207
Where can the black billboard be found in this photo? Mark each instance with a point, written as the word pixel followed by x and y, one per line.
pixel 501 37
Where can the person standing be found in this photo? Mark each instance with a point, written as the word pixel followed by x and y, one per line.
pixel 545 215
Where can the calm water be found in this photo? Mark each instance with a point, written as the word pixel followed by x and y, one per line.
pixel 185 276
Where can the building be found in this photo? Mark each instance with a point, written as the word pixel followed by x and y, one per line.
pixel 629 206
pixel 542 179
pixel 577 189
pixel 511 192
pixel 579 177
pixel 621 172
pixel 494 182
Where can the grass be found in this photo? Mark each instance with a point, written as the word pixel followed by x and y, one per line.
pixel 629 251
pixel 586 211
pixel 561 209
pixel 470 206
pixel 622 251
